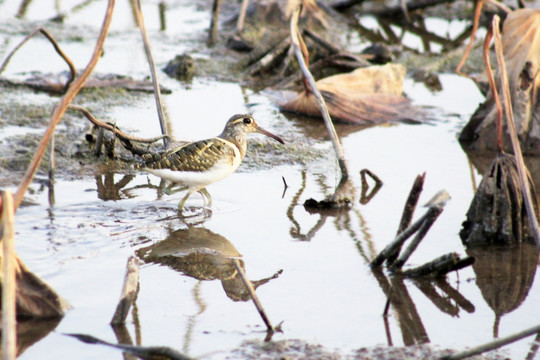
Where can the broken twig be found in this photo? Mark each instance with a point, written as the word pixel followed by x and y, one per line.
pixel 432 215
pixel 408 211
pixel 440 266
pixel 129 291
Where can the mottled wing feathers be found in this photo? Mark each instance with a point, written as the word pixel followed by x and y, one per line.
pixel 196 156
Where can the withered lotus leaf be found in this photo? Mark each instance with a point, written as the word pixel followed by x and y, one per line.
pixel 369 95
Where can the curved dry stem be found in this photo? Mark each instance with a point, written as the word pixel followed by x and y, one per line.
pixel 72 70
pixel 522 170
pixel 320 100
pixel 119 133
pixel 477 13
pixel 7 233
pixel 60 109
pixel 493 87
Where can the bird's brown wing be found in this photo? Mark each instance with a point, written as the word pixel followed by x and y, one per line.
pixel 196 156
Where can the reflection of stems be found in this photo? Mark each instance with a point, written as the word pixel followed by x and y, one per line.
pixel 52 166
pixel 441 302
pixel 455 295
pixel 123 337
pixel 534 348
pixel 136 323
pixel 294 202
pixel 253 295
pixel 347 226
pixel 191 321
pixel 410 323
pixel 365 197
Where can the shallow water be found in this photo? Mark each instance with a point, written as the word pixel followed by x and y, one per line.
pixel 326 293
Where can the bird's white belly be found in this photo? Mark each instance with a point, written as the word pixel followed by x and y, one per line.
pixel 197 178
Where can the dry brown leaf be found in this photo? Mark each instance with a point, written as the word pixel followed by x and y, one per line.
pixel 369 95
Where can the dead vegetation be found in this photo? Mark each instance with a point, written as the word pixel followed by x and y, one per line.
pixel 369 95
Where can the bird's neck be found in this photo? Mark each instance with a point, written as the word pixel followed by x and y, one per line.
pixel 239 140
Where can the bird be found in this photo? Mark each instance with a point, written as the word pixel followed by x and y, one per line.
pixel 195 165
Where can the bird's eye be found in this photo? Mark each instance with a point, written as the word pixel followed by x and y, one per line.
pixel 247 120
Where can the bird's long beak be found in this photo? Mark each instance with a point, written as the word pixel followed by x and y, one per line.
pixel 269 134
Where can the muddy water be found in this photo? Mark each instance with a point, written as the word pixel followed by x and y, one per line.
pixel 326 292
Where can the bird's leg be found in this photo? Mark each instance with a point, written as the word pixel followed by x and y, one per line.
pixel 206 196
pixel 169 188
pixel 183 201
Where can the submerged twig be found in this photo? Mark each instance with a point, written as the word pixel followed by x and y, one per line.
pixel 520 164
pixel 155 82
pixel 495 344
pixel 143 352
pixel 313 88
pixel 61 107
pixel 9 333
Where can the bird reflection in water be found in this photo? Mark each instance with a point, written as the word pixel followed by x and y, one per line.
pixel 201 254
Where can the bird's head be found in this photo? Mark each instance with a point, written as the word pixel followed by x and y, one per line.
pixel 243 124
